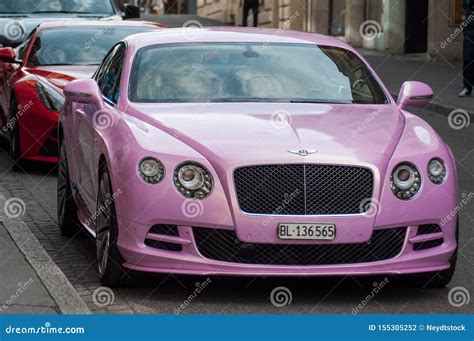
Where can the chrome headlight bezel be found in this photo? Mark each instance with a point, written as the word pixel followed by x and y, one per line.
pixel 199 187
pixel 152 179
pixel 439 177
pixel 409 188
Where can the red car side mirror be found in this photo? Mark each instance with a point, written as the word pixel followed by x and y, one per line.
pixel 8 55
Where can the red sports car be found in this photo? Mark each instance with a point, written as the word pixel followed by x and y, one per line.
pixel 33 75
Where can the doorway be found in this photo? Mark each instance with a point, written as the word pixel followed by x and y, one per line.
pixel 416 26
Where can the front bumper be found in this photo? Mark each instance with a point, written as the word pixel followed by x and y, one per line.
pixel 190 260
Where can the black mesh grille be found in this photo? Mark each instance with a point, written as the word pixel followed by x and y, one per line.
pixel 167 230
pixel 223 245
pixel 428 245
pixel 304 189
pixel 163 245
pixel 428 229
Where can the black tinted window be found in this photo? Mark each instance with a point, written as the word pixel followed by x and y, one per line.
pixel 23 48
pixel 110 73
pixel 77 45
pixel 73 6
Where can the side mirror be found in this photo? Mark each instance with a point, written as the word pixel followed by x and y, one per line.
pixel 414 94
pixel 84 91
pixel 131 11
pixel 8 55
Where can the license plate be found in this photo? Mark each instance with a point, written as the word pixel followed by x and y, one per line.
pixel 307 231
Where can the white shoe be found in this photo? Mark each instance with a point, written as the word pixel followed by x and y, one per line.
pixel 465 93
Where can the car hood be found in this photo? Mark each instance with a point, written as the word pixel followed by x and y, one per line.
pixel 15 28
pixel 240 133
pixel 62 75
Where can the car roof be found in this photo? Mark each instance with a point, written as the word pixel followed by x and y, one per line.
pixel 92 23
pixel 231 34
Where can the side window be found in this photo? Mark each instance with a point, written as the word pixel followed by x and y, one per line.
pixel 23 47
pixel 33 60
pixel 110 73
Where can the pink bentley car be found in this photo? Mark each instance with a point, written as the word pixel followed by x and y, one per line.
pixel 252 152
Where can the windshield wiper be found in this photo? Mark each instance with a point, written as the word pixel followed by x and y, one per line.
pixel 319 101
pixel 64 12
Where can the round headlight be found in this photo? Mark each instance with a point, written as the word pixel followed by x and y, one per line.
pixel 436 171
pixel 193 180
pixel 405 181
pixel 151 170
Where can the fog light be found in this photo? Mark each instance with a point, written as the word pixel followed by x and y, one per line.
pixel 437 171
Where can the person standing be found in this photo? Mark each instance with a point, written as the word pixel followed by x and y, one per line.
pixel 468 47
pixel 254 6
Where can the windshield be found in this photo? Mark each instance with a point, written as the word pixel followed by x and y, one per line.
pixel 77 45
pixel 252 72
pixel 59 6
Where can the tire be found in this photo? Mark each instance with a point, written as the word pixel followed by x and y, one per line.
pixel 109 259
pixel 438 279
pixel 15 145
pixel 68 221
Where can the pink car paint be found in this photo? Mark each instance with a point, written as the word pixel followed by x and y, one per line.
pixel 227 136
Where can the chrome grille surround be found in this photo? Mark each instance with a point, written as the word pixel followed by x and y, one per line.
pixel 304 189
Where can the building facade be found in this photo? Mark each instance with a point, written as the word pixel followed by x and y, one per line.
pixel 399 26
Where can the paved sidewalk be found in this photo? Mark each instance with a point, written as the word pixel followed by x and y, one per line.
pixel 445 78
pixel 21 291
pixel 30 281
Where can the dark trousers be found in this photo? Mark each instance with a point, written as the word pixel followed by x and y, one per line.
pixel 468 67
pixel 251 5
pixel 468 74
